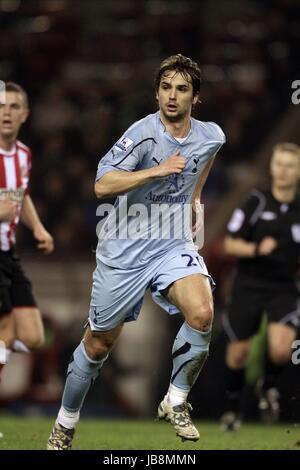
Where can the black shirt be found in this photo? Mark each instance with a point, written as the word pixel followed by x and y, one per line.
pixel 262 215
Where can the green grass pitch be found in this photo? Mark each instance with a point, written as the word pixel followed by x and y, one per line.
pixel 31 434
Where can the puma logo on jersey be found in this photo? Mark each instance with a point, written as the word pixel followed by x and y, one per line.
pixel 156 161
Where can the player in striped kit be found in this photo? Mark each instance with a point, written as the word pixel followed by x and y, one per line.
pixel 21 327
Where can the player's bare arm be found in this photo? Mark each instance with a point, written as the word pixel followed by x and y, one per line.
pixel 243 249
pixel 120 182
pixel 239 247
pixel 202 180
pixel 30 218
pixel 197 216
pixel 8 211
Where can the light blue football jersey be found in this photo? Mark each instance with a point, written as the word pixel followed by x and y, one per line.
pixel 134 230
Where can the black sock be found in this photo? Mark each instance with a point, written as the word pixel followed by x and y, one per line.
pixel 272 371
pixel 235 382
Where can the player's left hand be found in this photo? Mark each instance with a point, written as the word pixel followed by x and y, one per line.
pixel 46 243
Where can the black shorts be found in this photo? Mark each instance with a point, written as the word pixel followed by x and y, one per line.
pixel 15 287
pixel 248 304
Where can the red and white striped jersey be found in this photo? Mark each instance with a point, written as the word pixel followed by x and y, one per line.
pixel 15 168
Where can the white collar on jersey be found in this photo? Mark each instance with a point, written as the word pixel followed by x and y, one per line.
pixel 180 139
pixel 8 152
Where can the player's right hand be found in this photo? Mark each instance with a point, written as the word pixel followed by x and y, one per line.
pixel 266 246
pixel 173 164
pixel 8 211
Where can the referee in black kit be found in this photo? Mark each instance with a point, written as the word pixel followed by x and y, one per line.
pixel 264 234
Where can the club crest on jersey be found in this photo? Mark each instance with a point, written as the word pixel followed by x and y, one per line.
pixel 123 144
pixel 176 183
pixel 15 195
pixel 196 159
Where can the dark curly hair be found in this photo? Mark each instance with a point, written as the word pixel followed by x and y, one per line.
pixel 185 66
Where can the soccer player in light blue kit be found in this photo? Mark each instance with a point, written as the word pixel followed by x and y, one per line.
pixel 161 163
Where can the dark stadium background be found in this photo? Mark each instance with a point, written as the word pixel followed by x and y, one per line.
pixel 88 67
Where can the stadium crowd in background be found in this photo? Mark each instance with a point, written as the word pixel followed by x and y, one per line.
pixel 83 95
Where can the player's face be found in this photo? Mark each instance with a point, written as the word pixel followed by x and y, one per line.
pixel 12 114
pixel 175 96
pixel 285 169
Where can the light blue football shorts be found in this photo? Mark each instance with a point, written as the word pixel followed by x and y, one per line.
pixel 117 294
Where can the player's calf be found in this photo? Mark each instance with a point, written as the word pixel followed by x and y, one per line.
pixel 189 353
pixel 231 421
pixel 268 403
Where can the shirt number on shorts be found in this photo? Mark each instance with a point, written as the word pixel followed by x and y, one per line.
pixel 191 260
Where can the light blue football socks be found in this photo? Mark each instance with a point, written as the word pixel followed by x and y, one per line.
pixel 82 371
pixel 190 350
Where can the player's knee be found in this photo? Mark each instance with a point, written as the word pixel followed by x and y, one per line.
pixel 280 354
pixel 97 348
pixel 201 318
pixel 33 340
pixel 237 355
pixel 7 333
pixel 7 337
